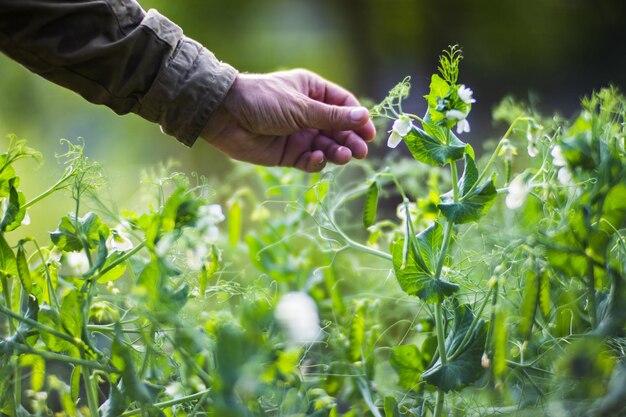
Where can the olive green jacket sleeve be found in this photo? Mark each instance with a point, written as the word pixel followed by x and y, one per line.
pixel 111 52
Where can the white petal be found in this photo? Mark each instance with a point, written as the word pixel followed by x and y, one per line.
pixel 565 176
pixel 26 220
pixel 532 150
pixel 465 94
pixel 557 156
pixel 394 140
pixel 297 314
pixel 77 262
pixel 455 115
pixel 518 190
pixel 402 126
pixel 462 126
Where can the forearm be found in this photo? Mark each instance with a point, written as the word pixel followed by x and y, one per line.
pixel 112 53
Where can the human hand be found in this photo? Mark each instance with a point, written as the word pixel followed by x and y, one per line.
pixel 291 118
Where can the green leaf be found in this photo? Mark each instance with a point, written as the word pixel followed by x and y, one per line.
pixel 409 364
pixel 429 245
pixel 71 313
pixel 439 89
pixel 38 370
pixel 113 274
pixel 13 214
pixel 466 367
pixel 474 200
pixel 417 277
pixel 72 233
pixel 391 407
pixel 432 150
pixel 371 204
pixel 50 318
pixel 133 387
pixel 8 262
pixel 116 404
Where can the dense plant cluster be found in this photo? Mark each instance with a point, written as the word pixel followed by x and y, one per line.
pixel 495 288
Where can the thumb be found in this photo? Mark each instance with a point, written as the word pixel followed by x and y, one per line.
pixel 318 115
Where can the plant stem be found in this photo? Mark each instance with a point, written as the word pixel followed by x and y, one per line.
pixel 441 341
pixel 447 236
pixel 50 190
pixel 91 390
pixel 454 177
pixel 591 295
pixel 170 403
pixel 41 327
pixel 354 245
pixel 52 295
pixel 439 405
pixel 51 356
pixel 16 370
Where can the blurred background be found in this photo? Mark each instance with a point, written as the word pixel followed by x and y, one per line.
pixel 550 52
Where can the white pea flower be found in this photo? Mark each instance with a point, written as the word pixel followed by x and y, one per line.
pixel 196 256
pixel 118 241
pixel 26 219
pixel 77 262
pixel 557 156
pixel 462 123
pixel 518 191
pixel 208 217
pixel 399 130
pixel 532 150
pixel 297 314
pixel 565 176
pixel 465 94
pixel 462 126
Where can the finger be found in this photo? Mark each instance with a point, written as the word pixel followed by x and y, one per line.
pixel 311 161
pixel 367 132
pixel 317 115
pixel 349 139
pixel 333 151
pixel 327 92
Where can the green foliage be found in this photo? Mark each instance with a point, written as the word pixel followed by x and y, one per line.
pixel 416 276
pixel 441 148
pixel 511 303
pixel 474 200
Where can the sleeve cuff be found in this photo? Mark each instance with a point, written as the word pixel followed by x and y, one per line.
pixel 189 87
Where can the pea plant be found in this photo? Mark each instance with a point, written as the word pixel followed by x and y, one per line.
pixel 522 298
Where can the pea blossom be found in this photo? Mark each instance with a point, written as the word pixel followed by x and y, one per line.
pixel 77 262
pixel 557 156
pixel 297 314
pixel 465 94
pixel 518 191
pixel 401 127
pixel 462 123
pixel 119 241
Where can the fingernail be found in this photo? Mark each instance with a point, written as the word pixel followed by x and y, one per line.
pixel 358 114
